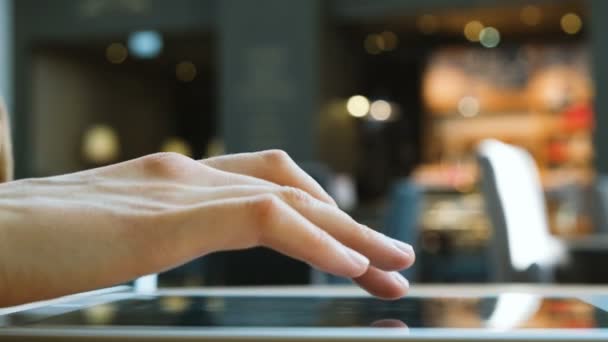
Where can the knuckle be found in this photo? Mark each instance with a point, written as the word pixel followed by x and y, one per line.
pixel 296 195
pixel 167 164
pixel 265 210
pixel 277 158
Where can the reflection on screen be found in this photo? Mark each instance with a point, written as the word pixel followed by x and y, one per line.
pixel 505 312
pixel 513 309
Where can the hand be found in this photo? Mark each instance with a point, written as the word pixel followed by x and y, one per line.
pixel 96 228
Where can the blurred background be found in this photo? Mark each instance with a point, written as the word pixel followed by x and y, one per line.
pixel 384 102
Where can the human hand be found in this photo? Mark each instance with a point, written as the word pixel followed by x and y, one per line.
pixel 99 227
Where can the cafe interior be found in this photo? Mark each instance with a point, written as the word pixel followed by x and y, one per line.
pixel 476 131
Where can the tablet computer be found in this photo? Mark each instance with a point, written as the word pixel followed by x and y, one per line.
pixel 192 315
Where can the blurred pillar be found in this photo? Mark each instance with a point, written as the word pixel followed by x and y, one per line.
pixel 599 42
pixel 6 34
pixel 269 92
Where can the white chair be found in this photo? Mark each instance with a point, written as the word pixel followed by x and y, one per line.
pixel 522 248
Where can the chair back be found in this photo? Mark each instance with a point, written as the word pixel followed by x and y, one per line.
pixel 522 248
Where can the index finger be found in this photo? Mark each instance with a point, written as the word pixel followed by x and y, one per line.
pixel 274 166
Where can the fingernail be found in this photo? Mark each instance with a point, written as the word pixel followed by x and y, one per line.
pixel 404 247
pixel 401 279
pixel 358 258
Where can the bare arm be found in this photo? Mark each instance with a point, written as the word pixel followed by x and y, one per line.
pixel 96 228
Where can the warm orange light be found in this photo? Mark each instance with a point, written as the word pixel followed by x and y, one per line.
pixel 571 23
pixel 472 30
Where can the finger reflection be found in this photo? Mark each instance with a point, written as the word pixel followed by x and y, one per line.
pixel 390 323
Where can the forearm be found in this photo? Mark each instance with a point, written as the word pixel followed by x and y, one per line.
pixel 41 260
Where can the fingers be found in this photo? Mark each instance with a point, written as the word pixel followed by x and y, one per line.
pixel 265 221
pixel 274 166
pixel 242 206
pixel 383 252
pixel 386 285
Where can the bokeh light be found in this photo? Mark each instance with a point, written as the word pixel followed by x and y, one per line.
pixel 390 40
pixel 472 30
pixel 101 144
pixel 100 314
pixel 357 106
pixel 174 304
pixel 145 44
pixel 489 37
pixel 380 110
pixel 185 71
pixel 373 44
pixel 571 23
pixel 116 53
pixel 468 106
pixel 178 145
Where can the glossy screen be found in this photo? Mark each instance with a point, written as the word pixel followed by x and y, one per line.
pixel 509 311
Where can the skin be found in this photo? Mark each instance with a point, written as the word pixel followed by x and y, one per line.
pixel 76 232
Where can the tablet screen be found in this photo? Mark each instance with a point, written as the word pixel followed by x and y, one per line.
pixel 508 311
